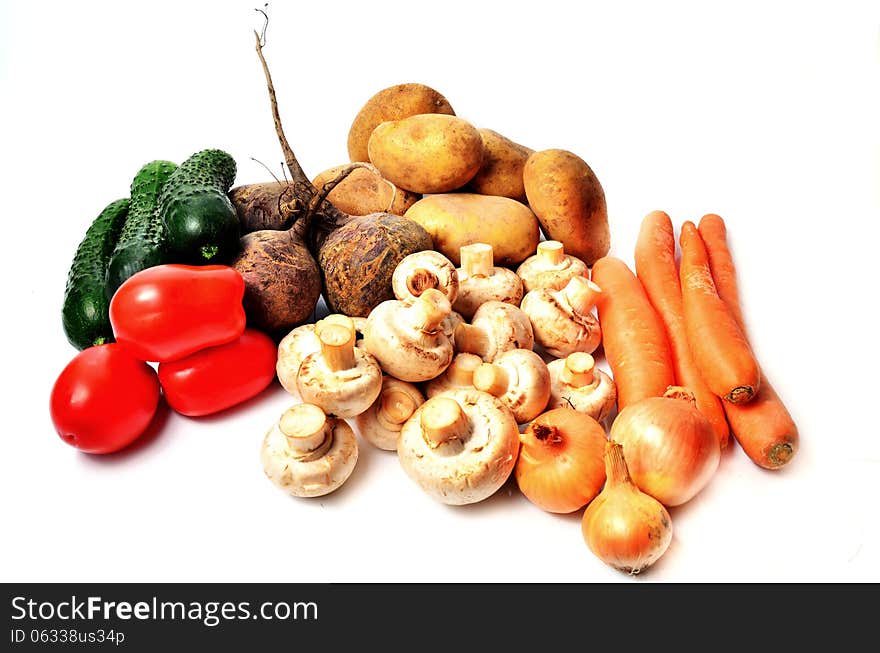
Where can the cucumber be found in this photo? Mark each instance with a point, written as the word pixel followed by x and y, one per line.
pixel 141 243
pixel 201 225
pixel 85 311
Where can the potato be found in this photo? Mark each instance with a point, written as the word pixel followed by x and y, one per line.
pixel 392 103
pixel 502 169
pixel 457 219
pixel 427 153
pixel 569 202
pixel 365 191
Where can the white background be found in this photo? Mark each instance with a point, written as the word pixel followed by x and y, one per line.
pixel 765 113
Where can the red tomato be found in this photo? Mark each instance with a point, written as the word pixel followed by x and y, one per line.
pixel 169 311
pixel 214 379
pixel 104 399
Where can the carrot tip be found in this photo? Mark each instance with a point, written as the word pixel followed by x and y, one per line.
pixel 779 455
pixel 740 395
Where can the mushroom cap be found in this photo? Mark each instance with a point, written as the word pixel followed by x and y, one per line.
pixel 292 349
pixel 315 473
pixel 459 374
pixel 528 383
pixel 557 328
pixel 299 343
pixel 506 326
pixel 467 468
pixel 360 323
pixel 504 286
pixel 381 423
pixel 343 393
pixel 538 271
pixel 404 350
pixel 596 399
pixel 419 271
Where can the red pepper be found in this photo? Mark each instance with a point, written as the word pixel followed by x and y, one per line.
pixel 169 311
pixel 217 378
pixel 104 399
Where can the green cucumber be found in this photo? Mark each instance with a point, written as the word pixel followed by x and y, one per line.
pixel 201 225
pixel 85 312
pixel 141 244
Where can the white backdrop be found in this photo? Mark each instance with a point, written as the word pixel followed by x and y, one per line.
pixel 765 113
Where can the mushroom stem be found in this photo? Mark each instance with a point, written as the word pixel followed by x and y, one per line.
pixel 471 339
pixel 461 371
pixel 307 430
pixel 581 294
pixel 429 310
pixel 420 280
pixel 491 378
pixel 442 421
pixel 337 346
pixel 578 370
pixel 477 260
pixel 395 407
pixel 552 252
pixel 335 318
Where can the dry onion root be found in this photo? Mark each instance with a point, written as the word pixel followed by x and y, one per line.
pixel 623 526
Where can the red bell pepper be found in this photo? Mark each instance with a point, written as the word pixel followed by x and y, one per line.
pixel 169 311
pixel 217 378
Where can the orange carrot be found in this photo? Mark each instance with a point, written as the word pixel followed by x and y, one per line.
pixel 718 345
pixel 633 337
pixel 763 427
pixel 656 269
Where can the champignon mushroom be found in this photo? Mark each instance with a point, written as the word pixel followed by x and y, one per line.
pixel 340 378
pixel 296 345
pixel 360 323
pixel 307 453
pixel 480 281
pixel 550 267
pixel 562 320
pixel 459 374
pixel 495 328
pixel 576 382
pixel 520 379
pixel 409 340
pixel 380 424
pixel 419 271
pixel 460 447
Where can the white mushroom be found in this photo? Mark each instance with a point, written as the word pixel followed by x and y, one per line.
pixel 459 374
pixel 340 378
pixel 380 424
pixel 360 323
pixel 550 267
pixel 296 345
pixel 562 320
pixel 520 379
pixel 460 447
pixel 419 271
pixel 409 340
pixel 307 453
pixel 495 328
pixel 576 382
pixel 480 281
pixel 450 323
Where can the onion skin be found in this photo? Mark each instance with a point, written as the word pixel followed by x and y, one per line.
pixel 670 447
pixel 623 526
pixel 561 464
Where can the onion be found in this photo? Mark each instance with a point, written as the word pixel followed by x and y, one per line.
pixel 560 466
pixel 623 526
pixel 670 447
